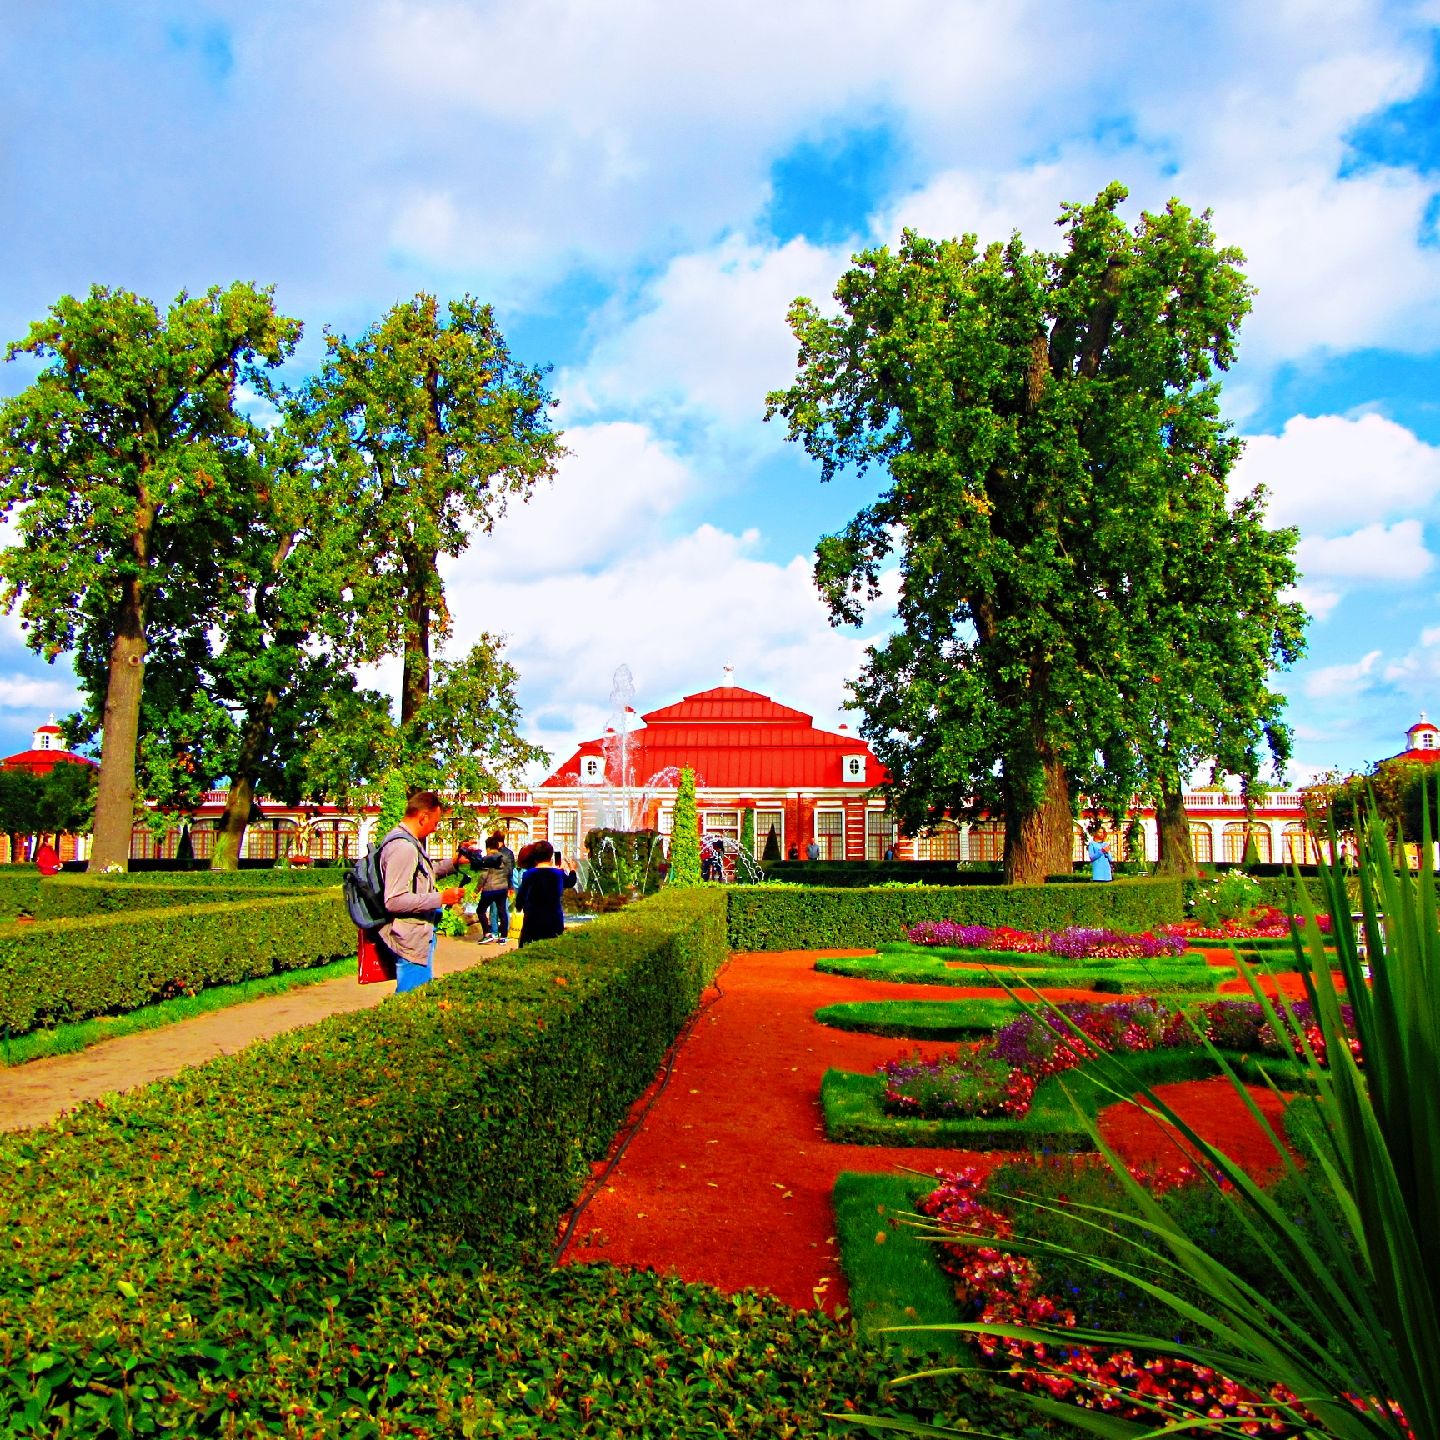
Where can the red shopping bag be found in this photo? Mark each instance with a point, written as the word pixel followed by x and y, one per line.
pixel 377 960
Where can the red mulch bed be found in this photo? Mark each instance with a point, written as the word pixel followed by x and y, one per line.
pixel 1216 1113
pixel 728 1177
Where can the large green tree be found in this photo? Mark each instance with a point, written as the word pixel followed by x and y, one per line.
pixel 435 427
pixel 1208 624
pixel 1040 417
pixel 134 475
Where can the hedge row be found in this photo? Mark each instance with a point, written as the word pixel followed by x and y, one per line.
pixel 24 891
pixel 475 1103
pixel 253 1247
pixel 60 970
pixel 762 917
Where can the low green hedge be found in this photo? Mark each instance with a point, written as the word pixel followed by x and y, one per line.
pixel 182 1232
pixel 1175 975
pixel 60 970
pixel 854 1114
pixel 784 917
pixel 24 891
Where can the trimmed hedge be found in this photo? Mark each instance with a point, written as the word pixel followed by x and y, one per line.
pixel 61 970
pixel 780 917
pixel 24 891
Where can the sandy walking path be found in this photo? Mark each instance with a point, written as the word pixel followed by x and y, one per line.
pixel 42 1090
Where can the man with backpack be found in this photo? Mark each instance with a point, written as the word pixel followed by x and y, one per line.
pixel 413 902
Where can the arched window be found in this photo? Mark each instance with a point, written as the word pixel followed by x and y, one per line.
pixel 1202 843
pixel 942 842
pixel 1298 844
pixel 987 840
pixel 1234 842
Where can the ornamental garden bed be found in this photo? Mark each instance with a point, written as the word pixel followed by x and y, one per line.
pixel 1025 1088
pixel 904 963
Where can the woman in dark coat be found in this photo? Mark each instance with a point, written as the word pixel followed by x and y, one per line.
pixel 539 897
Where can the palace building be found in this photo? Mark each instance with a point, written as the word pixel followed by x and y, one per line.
pixel 750 754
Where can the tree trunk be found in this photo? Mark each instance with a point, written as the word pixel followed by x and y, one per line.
pixel 115 792
pixel 1039 839
pixel 1177 857
pixel 415 679
pixel 230 835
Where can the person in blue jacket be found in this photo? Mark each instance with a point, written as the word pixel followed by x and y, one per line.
pixel 1097 852
pixel 541 891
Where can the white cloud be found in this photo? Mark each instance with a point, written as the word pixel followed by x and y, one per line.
pixel 1338 263
pixel 676 612
pixel 611 495
pixel 711 337
pixel 1318 600
pixel 1395 553
pixel 1327 471
pixel 1335 681
pixel 19 693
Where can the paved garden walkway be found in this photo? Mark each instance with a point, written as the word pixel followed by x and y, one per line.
pixel 38 1092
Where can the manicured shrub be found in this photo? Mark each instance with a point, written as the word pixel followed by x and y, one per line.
pixel 785 917
pixel 71 969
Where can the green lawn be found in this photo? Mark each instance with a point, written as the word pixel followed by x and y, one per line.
pixel 891 1271
pixel 970 1019
pixel 853 1113
pixel 926 965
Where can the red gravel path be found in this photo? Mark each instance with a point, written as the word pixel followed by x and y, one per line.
pixel 728 1179
pixel 1214 1111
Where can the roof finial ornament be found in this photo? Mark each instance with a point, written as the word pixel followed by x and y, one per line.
pixel 727 675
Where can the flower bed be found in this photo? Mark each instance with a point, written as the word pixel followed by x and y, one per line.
pixel 1266 922
pixel 1075 942
pixel 994 1286
pixel 1000 1079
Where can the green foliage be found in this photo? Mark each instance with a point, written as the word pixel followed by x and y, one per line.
pixel 971 1019
pixel 890 1272
pixel 394 796
pixel 20 792
pixel 854 1114
pixel 771 854
pixel 77 1035
pixel 1350 1322
pixel 747 832
pixel 783 917
pixel 930 965
pixel 436 428
pixel 130 438
pixel 59 970
pixel 1051 430
pixel 685 834
pixel 1233 896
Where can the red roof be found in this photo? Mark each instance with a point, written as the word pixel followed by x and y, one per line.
pixel 42 762
pixel 732 739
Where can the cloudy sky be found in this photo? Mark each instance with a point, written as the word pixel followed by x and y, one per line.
pixel 642 187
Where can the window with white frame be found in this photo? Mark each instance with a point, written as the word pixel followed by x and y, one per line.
pixel 765 821
pixel 879 834
pixel 987 841
pixel 565 832
pixel 724 823
pixel 942 843
pixel 592 769
pixel 830 834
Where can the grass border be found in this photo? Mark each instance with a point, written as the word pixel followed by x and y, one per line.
pixel 78 1035
pixel 889 1270
pixel 850 1103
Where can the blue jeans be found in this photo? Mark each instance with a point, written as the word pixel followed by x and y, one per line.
pixel 409 975
pixel 498 901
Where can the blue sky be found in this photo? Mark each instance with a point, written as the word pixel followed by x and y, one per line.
pixel 642 188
